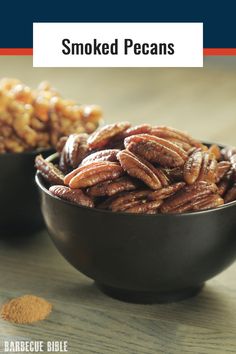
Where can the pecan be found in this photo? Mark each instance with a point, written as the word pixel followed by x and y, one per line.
pixel 110 188
pixel 185 198
pixel 222 169
pixel 156 150
pixel 138 129
pixel 144 207
pixel 102 136
pixel 166 192
pixel 75 149
pixel 230 194
pixel 103 155
pixel 228 152
pixel 76 196
pixel 200 166
pixel 126 200
pixel 141 169
pixel 208 202
pixel 223 186
pixel 171 133
pixel 93 173
pixel 49 171
pixel 233 167
pixel 61 143
pixel 215 150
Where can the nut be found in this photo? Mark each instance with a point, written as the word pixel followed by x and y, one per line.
pixel 185 199
pixel 93 173
pixel 49 171
pixel 140 169
pixel 76 196
pixel 109 188
pixel 200 166
pixel 103 155
pixel 156 150
pixel 102 136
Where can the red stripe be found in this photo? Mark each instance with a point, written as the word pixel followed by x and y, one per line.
pixel 219 51
pixel 16 51
pixel 206 51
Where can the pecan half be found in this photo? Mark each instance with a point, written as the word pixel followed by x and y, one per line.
pixel 228 152
pixel 109 188
pixel 230 194
pixel 171 133
pixel 215 150
pixel 209 202
pixel 166 192
pixel 125 200
pixel 103 155
pixel 49 171
pixel 144 207
pixel 75 149
pixel 102 136
pixel 76 196
pixel 184 199
pixel 138 129
pixel 141 169
pixel 222 169
pixel 223 186
pixel 93 173
pixel 200 166
pixel 156 150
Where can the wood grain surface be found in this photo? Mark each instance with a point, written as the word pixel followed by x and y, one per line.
pixel 202 101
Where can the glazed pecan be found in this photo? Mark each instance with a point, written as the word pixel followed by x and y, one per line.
pixel 215 150
pixel 49 171
pixel 156 150
pixel 200 166
pixel 230 194
pixel 75 149
pixel 166 192
pixel 223 186
pixel 136 130
pixel 93 173
pixel 102 136
pixel 103 155
pixel 171 133
pixel 222 169
pixel 113 187
pixel 144 207
pixel 185 198
pixel 125 200
pixel 61 143
pixel 208 202
pixel 76 196
pixel 228 152
pixel 141 169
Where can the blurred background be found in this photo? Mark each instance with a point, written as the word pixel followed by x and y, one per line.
pixel 201 101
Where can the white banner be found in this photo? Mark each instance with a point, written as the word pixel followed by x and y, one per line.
pixel 118 45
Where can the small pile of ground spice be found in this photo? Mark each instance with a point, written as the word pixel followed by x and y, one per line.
pixel 26 309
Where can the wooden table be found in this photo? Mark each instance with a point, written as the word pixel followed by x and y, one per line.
pixel 94 323
pixel 202 101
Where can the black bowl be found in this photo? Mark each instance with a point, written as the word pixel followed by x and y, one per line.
pixel 142 258
pixel 19 202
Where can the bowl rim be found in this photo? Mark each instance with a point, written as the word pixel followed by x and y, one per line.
pixel 50 158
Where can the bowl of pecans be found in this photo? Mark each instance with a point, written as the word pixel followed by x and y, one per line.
pixel 147 212
pixel 32 122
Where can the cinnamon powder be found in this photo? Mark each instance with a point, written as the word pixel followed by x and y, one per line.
pixel 26 309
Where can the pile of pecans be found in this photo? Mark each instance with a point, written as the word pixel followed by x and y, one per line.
pixel 31 119
pixel 141 169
